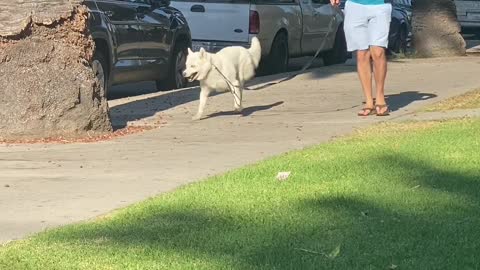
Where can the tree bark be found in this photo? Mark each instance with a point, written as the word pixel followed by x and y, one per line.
pixel 436 31
pixel 47 86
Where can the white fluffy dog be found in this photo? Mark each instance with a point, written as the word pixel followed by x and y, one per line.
pixel 236 63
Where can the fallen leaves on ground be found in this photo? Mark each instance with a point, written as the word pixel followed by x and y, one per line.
pixel 88 139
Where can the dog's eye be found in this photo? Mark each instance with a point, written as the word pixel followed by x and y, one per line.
pixel 193 66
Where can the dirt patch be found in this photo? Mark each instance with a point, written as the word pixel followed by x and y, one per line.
pixel 469 100
pixel 90 138
pixel 48 87
pixel 392 129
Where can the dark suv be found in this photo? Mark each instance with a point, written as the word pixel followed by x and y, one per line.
pixel 401 25
pixel 138 40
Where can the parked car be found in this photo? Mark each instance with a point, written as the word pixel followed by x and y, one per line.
pixel 468 13
pixel 285 28
pixel 400 26
pixel 138 40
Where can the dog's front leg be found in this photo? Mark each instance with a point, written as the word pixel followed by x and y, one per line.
pixel 237 97
pixel 203 101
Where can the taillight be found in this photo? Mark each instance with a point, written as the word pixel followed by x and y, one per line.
pixel 254 25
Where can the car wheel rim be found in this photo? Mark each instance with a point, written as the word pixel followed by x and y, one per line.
pixel 99 72
pixel 179 67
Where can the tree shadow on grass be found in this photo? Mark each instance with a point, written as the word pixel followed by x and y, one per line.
pixel 428 175
pixel 434 226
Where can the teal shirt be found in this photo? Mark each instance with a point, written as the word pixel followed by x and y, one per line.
pixel 369 2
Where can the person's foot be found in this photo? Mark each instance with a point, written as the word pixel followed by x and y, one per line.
pixel 382 110
pixel 367 111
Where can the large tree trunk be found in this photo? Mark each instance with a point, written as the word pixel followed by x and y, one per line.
pixel 436 31
pixel 47 86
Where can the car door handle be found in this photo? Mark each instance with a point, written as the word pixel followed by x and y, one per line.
pixel 197 8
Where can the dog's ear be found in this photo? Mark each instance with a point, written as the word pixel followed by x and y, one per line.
pixel 190 51
pixel 202 52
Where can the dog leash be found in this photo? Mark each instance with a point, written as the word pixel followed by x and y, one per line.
pixel 307 65
pixel 231 86
pixel 302 70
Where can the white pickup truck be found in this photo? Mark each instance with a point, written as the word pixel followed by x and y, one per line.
pixel 285 28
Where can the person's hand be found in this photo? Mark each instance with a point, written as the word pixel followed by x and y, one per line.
pixel 335 3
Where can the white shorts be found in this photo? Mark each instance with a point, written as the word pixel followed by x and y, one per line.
pixel 367 25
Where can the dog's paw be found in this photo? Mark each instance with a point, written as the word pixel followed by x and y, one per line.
pixel 239 110
pixel 196 117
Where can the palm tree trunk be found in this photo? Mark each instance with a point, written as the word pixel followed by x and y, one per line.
pixel 436 31
pixel 47 87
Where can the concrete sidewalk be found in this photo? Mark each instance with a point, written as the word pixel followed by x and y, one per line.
pixel 44 186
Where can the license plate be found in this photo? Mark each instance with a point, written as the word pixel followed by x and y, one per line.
pixel 473 16
pixel 197 45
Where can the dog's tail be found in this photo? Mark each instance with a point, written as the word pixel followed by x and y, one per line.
pixel 256 51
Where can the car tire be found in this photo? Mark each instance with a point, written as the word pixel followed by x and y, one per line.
pixel 278 58
pixel 100 70
pixel 400 44
pixel 175 79
pixel 403 40
pixel 338 54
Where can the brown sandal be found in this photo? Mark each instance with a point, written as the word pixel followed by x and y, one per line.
pixel 379 107
pixel 367 112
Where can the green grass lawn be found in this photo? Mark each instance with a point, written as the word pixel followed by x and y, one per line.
pixel 469 100
pixel 397 196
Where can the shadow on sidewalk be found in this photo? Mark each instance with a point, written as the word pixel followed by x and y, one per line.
pixel 401 100
pixel 143 108
pixel 122 114
pixel 325 72
pixel 247 111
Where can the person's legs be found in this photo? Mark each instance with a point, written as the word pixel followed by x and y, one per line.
pixel 380 73
pixel 357 36
pixel 364 69
pixel 378 32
